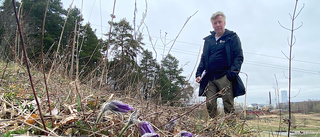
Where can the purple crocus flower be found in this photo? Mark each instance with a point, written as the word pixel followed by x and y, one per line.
pixel 145 127
pixel 116 107
pixel 150 135
pixel 185 134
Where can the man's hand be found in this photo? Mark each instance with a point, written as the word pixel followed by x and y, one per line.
pixel 198 79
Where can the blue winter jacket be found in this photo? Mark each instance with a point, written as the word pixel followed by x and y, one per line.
pixel 235 58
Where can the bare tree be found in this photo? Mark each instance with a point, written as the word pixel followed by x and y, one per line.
pixel 291 42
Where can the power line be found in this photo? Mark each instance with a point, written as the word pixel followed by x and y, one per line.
pixel 248 61
pixel 182 51
pixel 190 52
pixel 303 61
pixel 193 53
pixel 282 67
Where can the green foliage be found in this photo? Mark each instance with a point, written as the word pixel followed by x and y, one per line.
pixel 172 85
pixel 149 71
pixel 124 73
pixel 89 46
pixel 166 88
pixel 79 103
pixel 82 128
pixel 90 54
pixel 7 30
pixel 124 69
pixel 7 134
pixel 18 131
pixel 34 11
pixel 122 43
pixel 9 95
pixel 19 103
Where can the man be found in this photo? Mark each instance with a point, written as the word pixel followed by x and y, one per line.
pixel 220 65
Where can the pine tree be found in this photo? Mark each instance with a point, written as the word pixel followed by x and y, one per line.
pixel 7 30
pixel 149 69
pixel 32 19
pixel 124 46
pixel 172 85
pixel 170 79
pixel 124 69
pixel 90 54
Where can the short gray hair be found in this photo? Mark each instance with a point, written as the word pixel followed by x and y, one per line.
pixel 218 13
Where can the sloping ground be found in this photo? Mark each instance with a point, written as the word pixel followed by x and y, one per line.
pixel 75 108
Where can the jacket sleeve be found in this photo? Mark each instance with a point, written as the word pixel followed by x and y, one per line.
pixel 237 55
pixel 201 66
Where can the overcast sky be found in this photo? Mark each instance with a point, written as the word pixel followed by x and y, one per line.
pixel 264 41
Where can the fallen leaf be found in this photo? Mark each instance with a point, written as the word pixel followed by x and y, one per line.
pixel 32 118
pixel 71 118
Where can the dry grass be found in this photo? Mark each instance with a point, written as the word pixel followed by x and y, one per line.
pixel 302 125
pixel 71 116
pixel 75 109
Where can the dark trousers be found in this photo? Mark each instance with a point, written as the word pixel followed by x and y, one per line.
pixel 212 88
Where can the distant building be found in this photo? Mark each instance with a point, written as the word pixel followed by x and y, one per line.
pixel 284 96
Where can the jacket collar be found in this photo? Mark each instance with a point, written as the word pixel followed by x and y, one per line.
pixel 226 34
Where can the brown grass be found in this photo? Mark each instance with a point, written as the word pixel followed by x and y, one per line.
pixel 71 116
pixel 302 124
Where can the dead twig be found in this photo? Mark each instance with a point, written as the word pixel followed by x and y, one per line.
pixel 27 64
pixel 43 66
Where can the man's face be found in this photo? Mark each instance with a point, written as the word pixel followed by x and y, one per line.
pixel 218 25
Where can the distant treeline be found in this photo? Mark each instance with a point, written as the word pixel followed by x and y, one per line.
pixel 306 107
